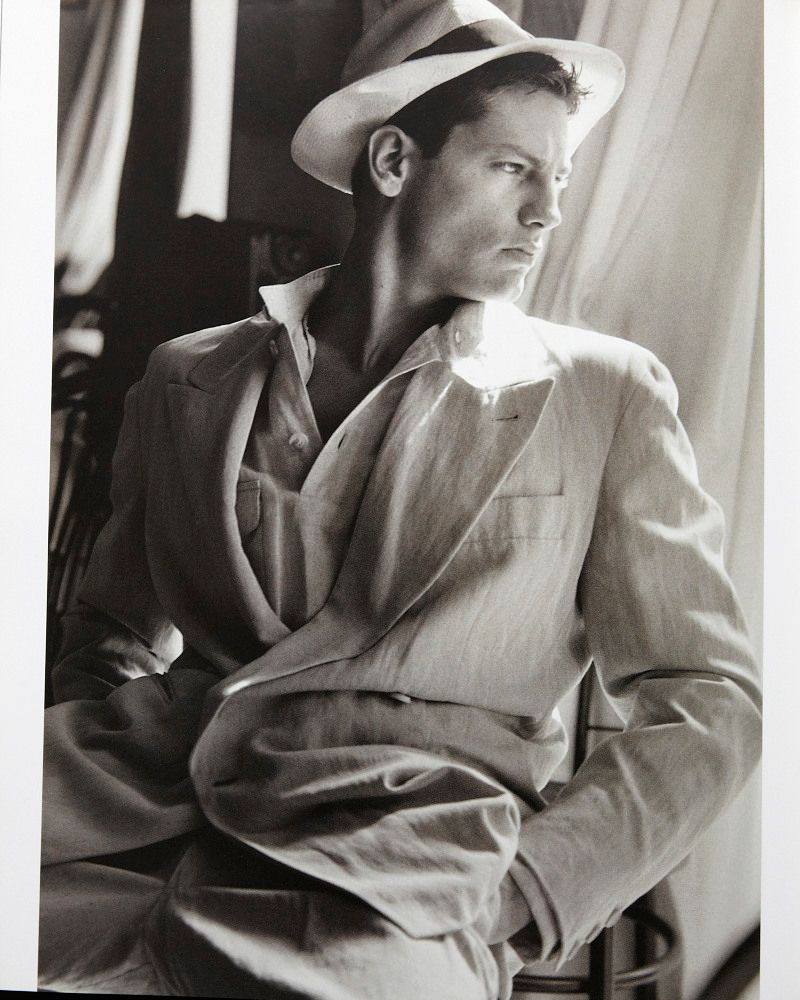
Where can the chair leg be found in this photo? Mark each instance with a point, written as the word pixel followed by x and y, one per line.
pixel 645 952
pixel 601 966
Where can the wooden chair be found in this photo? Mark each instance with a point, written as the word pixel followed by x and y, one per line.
pixel 80 469
pixel 738 975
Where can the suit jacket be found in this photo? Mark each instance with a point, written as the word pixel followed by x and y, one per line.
pixel 534 505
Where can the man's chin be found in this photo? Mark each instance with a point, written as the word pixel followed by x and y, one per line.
pixel 503 291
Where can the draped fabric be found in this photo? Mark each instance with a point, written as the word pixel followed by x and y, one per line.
pixel 204 188
pixel 661 239
pixel 661 244
pixel 372 9
pixel 550 18
pixel 95 139
pixel 92 150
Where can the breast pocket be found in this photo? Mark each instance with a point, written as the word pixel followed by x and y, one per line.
pixel 251 531
pixel 521 517
pixel 248 507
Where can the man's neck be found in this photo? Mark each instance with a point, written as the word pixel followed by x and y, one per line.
pixel 369 311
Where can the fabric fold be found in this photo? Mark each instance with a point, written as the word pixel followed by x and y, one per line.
pixel 115 770
pixel 92 152
pixel 421 836
pixel 204 186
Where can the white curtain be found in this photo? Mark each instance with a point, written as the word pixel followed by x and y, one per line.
pixel 92 149
pixel 661 244
pixel 204 186
pixel 372 9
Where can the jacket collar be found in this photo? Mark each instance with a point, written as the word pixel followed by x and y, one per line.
pixel 487 344
pixel 484 399
pixel 480 343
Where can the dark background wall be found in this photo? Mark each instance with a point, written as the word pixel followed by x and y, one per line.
pixel 170 276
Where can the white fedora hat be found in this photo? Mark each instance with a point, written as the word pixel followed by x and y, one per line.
pixel 414 46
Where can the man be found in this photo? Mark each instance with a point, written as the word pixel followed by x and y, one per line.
pixel 393 519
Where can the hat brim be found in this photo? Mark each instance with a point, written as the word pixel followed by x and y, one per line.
pixel 331 136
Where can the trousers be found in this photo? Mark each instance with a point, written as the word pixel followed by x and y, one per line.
pixel 141 893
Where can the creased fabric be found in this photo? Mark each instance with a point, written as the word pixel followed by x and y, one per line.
pixel 422 836
pixel 661 244
pixel 296 499
pixel 534 504
pixel 92 151
pixel 661 238
pixel 116 769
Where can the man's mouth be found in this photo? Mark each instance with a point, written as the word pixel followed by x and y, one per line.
pixel 525 254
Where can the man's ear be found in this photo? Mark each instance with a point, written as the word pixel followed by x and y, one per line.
pixel 390 154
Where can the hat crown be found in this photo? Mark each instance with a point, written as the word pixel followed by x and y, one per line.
pixel 409 26
pixel 413 46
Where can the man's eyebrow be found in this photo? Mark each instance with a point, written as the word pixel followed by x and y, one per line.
pixel 537 161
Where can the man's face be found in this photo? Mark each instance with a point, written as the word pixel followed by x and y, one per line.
pixel 472 219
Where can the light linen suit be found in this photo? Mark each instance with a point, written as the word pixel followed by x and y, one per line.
pixel 534 505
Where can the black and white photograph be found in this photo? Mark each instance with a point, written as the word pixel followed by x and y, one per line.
pixel 404 629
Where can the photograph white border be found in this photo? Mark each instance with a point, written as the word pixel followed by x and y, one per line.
pixel 28 89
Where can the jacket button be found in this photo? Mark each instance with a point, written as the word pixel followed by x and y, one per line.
pixel 298 441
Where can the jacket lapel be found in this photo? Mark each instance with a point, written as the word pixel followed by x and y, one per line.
pixel 427 489
pixel 211 418
pixel 453 440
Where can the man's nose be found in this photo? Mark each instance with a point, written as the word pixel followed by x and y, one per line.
pixel 541 207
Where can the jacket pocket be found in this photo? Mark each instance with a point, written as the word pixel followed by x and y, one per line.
pixel 521 517
pixel 248 506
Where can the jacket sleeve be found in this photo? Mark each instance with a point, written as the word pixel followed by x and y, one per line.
pixel 668 638
pixel 117 629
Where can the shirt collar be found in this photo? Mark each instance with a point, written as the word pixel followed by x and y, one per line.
pixel 289 303
pixel 460 337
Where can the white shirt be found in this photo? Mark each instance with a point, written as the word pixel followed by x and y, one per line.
pixel 298 496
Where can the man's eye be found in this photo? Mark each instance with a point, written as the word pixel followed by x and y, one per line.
pixel 509 167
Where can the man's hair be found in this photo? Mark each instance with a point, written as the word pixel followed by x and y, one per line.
pixel 430 118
